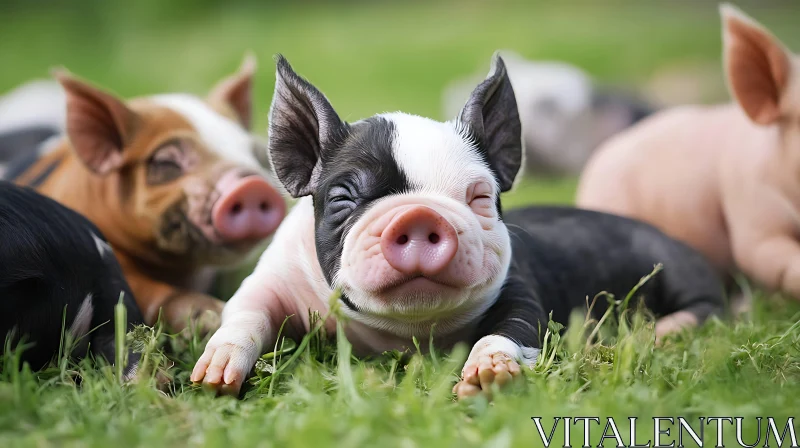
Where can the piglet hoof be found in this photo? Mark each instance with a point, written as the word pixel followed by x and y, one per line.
pixel 479 375
pixel 228 357
pixel 674 323
pixel 193 313
pixel 204 322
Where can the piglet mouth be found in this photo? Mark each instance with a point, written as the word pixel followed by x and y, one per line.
pixel 415 284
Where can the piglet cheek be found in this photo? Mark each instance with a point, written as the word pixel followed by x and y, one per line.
pixel 197 196
pixel 468 264
pixel 365 249
pixel 372 272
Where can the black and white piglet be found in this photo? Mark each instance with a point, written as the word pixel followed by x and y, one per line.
pixel 57 273
pixel 403 214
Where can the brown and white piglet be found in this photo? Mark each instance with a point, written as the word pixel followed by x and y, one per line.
pixel 173 181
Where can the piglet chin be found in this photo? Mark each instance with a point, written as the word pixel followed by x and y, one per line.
pixel 415 286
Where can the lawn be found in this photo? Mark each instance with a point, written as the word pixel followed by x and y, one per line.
pixel 371 57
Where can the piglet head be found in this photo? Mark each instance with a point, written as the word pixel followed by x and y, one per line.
pixel 761 72
pixel 764 78
pixel 407 210
pixel 176 177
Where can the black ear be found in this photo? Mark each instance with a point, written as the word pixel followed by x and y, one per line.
pixel 302 125
pixel 492 117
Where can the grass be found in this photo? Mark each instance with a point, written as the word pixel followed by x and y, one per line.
pixel 370 57
pixel 325 397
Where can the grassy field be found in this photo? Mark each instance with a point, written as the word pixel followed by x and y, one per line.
pixel 370 57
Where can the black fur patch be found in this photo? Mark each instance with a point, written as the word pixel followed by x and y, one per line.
pixel 352 178
pixel 17 142
pixel 19 151
pixel 303 125
pixel 49 263
pixel 492 119
pixel 563 256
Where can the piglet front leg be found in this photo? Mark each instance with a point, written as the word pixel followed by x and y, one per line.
pixel 493 360
pixel 773 262
pixel 189 309
pixel 232 352
pixel 511 327
pixel 177 308
pixel 233 349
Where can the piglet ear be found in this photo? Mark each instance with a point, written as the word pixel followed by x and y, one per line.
pixel 492 118
pixel 302 125
pixel 236 91
pixel 99 125
pixel 756 64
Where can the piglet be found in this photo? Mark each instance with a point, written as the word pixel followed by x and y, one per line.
pixel 403 215
pixel 175 181
pixel 723 179
pixel 565 114
pixel 58 273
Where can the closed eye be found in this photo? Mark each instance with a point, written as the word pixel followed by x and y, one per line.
pixel 341 199
pixel 482 201
pixel 340 194
pixel 165 164
pixel 480 198
pixel 163 171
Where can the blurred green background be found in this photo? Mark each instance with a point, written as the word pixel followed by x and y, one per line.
pixel 376 56
pixel 367 56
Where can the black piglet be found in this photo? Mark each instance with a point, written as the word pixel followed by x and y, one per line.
pixel 57 273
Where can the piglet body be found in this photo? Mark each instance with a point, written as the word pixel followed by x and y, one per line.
pixel 723 179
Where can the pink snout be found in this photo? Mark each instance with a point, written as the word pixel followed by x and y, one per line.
pixel 248 209
pixel 419 241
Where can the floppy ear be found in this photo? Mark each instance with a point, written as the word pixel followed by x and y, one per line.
pixel 236 91
pixel 302 125
pixel 493 119
pixel 99 125
pixel 756 64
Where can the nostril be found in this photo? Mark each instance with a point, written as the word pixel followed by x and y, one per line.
pixel 237 207
pixel 263 206
pixel 402 239
pixel 433 238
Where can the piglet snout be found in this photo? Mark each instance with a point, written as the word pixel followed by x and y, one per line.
pixel 419 241
pixel 248 208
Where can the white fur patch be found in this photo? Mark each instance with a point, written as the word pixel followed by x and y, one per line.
pixel 435 157
pixel 102 247
pixel 80 325
pixel 131 374
pixel 489 345
pixel 222 135
pixel 36 103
